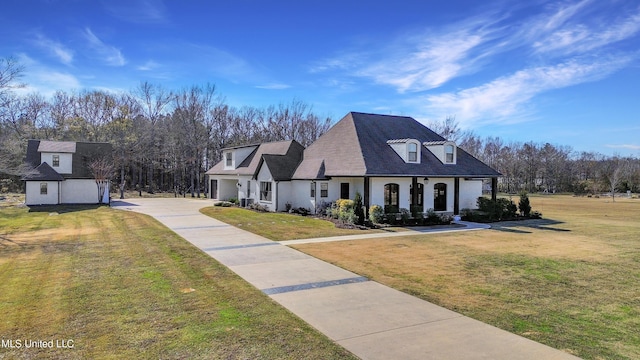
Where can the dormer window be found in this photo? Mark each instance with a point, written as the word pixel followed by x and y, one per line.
pixel 55 160
pixel 413 152
pixel 448 152
pixel 229 158
pixel 407 149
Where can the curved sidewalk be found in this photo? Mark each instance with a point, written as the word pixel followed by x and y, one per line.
pixel 371 320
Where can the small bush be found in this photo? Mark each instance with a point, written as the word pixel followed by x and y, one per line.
pixel 376 214
pixel 445 219
pixel 391 209
pixel 358 208
pixel 431 218
pixel 302 211
pixel 258 207
pixel 405 215
pixel 223 204
pixel 348 216
pixel 287 207
pixel 234 201
pixel 535 215
pixel 524 204
pixel 321 209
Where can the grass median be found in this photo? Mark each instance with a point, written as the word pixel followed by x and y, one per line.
pixel 570 281
pixel 281 226
pixel 120 285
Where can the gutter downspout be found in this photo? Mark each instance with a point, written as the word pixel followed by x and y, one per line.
pixel 277 193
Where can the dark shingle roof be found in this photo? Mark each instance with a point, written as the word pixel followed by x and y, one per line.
pixel 43 172
pixel 274 153
pixel 82 155
pixel 357 146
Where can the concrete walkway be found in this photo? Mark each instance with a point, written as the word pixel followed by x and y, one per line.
pixel 369 319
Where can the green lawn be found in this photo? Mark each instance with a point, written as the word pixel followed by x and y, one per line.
pixel 120 285
pixel 280 226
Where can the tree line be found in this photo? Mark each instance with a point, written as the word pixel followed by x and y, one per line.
pixel 164 140
pixel 545 167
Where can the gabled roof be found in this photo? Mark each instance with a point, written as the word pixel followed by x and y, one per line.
pixel 358 146
pixel 275 153
pixel 83 154
pixel 43 172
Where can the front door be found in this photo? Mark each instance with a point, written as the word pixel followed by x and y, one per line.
pixel 344 190
pixel 440 197
pixel 214 189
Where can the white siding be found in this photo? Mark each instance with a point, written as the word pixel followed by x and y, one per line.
pixel 33 196
pixel 65 162
pixel 470 190
pixel 79 191
pixel 376 185
pixel 428 192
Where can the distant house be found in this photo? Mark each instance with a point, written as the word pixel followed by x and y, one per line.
pixel 62 174
pixel 393 161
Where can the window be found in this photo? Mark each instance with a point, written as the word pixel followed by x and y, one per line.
pixel 56 160
pixel 229 157
pixel 248 188
pixel 391 198
pixel 313 189
pixel 413 152
pixel 324 189
pixel 265 190
pixel 448 152
pixel 43 188
pixel 344 190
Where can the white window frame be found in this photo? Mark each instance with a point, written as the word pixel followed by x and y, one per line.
pixel 266 193
pixel 228 158
pixel 409 152
pixel 449 156
pixel 324 190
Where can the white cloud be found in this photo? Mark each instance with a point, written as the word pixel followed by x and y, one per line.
pixel 273 86
pixel 148 66
pixel 55 48
pixel 110 54
pixel 45 80
pixel 582 37
pixel 625 146
pixel 426 64
pixel 503 100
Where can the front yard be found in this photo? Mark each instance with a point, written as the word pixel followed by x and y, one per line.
pixel 571 281
pixel 118 285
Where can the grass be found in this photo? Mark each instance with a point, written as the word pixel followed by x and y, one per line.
pixel 280 226
pixel 120 285
pixel 570 281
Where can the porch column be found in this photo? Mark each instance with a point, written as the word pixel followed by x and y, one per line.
pixel 456 196
pixel 366 196
pixel 414 192
pixel 494 188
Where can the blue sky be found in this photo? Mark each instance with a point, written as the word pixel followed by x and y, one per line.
pixel 564 72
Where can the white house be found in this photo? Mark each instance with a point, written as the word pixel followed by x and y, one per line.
pixel 393 161
pixel 62 174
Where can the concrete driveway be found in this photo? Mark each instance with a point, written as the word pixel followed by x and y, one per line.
pixel 371 320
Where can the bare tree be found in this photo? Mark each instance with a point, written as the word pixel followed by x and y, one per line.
pixel 613 172
pixel 102 170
